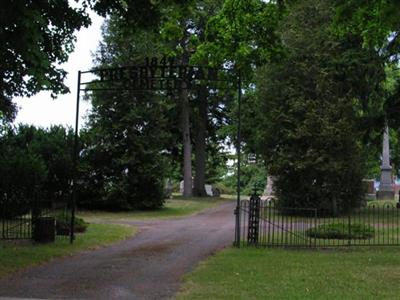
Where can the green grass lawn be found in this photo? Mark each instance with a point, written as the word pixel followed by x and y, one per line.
pixel 367 273
pixel 17 255
pixel 177 207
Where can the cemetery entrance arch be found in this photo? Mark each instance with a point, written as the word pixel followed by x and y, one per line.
pixel 164 76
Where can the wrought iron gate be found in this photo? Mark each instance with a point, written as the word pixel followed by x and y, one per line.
pixel 23 219
pixel 262 224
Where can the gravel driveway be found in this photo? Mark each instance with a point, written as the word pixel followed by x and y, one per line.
pixel 147 266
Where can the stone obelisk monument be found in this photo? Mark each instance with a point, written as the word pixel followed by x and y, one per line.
pixel 386 190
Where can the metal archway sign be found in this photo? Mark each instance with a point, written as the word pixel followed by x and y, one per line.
pixel 162 75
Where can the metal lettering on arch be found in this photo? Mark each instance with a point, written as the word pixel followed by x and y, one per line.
pixel 159 75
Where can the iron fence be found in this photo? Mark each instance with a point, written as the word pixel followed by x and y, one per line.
pixel 264 224
pixel 31 219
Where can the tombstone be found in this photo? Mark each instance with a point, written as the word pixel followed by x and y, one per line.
pixel 386 190
pixel 168 189
pixel 181 187
pixel 208 189
pixel 211 191
pixel 369 191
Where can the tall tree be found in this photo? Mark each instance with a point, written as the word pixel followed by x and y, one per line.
pixel 127 132
pixel 186 133
pixel 377 21
pixel 315 102
pixel 243 36
pixel 201 122
pixel 184 28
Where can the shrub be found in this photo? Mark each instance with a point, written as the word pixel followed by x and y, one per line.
pixel 341 231
pixel 35 165
pixel 22 175
pixel 224 189
pixel 251 175
pixel 63 224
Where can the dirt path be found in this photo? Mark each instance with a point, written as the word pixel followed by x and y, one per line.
pixel 148 266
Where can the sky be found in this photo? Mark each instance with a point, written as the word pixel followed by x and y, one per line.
pixel 41 109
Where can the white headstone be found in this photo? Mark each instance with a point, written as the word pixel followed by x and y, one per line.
pixel 209 191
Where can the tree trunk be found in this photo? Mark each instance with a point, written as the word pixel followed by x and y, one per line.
pixel 200 142
pixel 187 146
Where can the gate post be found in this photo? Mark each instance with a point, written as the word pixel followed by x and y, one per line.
pixel 254 220
pixel 75 162
pixel 238 152
pixel 3 215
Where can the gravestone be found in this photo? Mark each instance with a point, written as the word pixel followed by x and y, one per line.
pixel 208 189
pixel 369 190
pixel 168 189
pixel 211 191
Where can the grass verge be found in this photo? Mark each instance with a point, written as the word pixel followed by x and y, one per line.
pixel 14 256
pixel 370 273
pixel 177 207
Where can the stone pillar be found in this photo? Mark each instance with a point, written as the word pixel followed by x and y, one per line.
pixel 386 190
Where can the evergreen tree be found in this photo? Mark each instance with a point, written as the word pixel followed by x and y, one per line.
pixel 126 134
pixel 314 103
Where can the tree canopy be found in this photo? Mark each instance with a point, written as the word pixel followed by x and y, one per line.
pixel 314 102
pixel 37 37
pixel 320 80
